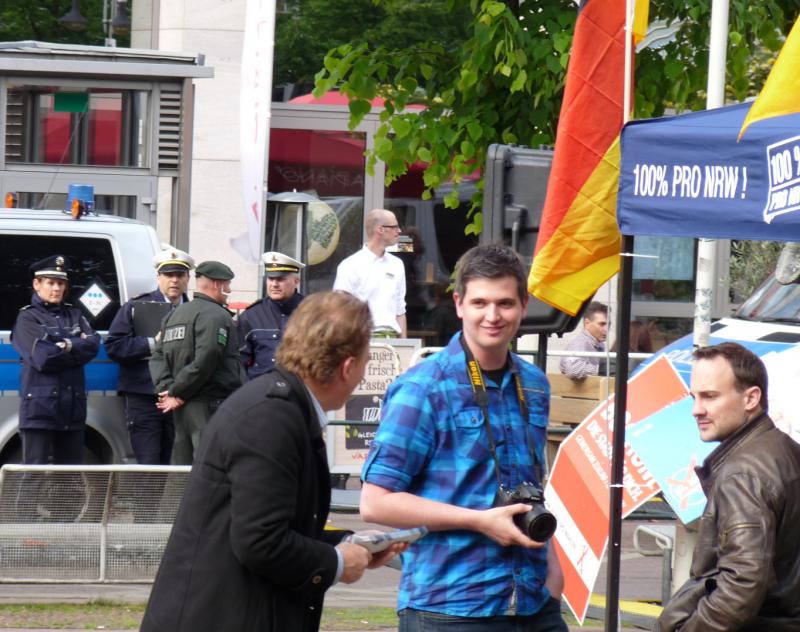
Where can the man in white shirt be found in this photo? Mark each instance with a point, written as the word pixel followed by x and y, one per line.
pixel 376 276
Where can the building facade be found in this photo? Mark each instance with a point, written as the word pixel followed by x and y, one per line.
pixel 117 119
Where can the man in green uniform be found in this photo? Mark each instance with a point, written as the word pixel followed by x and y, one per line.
pixel 196 363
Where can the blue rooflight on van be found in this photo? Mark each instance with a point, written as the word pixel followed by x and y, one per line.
pixel 80 199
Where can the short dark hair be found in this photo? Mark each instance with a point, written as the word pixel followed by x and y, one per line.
pixel 595 307
pixel 491 261
pixel 748 369
pixel 325 330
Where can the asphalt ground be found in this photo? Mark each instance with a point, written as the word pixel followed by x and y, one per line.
pixel 640 586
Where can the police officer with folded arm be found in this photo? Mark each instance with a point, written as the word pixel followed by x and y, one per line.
pixel 196 362
pixel 261 325
pixel 54 342
pixel 151 431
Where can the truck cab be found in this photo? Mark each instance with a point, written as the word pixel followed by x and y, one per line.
pixel 111 260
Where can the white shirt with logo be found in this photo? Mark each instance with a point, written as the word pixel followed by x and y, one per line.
pixel 380 281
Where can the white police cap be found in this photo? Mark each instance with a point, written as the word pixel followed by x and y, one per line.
pixel 278 264
pixel 173 260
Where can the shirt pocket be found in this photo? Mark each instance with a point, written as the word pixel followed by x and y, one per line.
pixel 470 438
pixel 266 343
pixel 538 406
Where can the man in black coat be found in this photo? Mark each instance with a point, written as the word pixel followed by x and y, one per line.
pixel 54 342
pixel 248 550
pixel 261 325
pixel 151 431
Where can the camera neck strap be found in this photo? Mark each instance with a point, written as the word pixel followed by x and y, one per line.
pixel 481 396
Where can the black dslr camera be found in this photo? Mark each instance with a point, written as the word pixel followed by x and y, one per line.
pixel 538 523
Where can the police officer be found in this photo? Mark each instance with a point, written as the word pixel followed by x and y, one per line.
pixel 54 341
pixel 196 363
pixel 261 325
pixel 152 432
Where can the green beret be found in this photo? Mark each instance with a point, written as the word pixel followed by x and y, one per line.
pixel 214 270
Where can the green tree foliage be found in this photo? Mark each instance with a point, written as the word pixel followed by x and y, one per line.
pixel 304 35
pixel 503 81
pixel 751 263
pixel 38 20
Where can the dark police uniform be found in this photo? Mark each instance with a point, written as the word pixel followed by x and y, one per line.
pixel 52 415
pixel 196 359
pixel 260 329
pixel 260 326
pixel 152 432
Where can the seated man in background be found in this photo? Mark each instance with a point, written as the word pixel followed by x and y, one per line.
pixel 591 338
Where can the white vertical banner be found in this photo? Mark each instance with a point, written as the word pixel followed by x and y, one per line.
pixel 254 118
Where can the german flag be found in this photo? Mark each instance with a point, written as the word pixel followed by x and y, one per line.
pixel 779 95
pixel 579 241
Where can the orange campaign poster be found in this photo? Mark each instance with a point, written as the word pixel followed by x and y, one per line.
pixel 578 488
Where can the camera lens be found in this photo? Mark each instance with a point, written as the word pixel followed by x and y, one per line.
pixel 538 523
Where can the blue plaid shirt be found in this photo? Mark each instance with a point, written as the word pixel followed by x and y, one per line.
pixel 432 442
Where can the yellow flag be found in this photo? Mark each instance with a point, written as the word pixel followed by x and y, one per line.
pixel 781 92
pixel 640 16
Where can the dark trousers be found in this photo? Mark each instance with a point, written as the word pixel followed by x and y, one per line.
pixel 548 619
pixel 152 432
pixel 190 421
pixel 41 496
pixel 65 446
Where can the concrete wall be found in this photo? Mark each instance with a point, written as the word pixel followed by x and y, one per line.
pixel 214 28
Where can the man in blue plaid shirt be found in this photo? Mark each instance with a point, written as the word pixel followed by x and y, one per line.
pixel 431 463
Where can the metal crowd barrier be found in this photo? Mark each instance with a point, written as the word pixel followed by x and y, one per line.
pixel 91 523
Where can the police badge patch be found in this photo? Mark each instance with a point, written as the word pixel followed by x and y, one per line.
pixel 222 336
pixel 176 332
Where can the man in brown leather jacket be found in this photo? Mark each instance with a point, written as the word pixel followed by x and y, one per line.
pixel 745 571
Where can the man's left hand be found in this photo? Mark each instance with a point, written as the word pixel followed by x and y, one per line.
pixel 498 524
pixel 167 403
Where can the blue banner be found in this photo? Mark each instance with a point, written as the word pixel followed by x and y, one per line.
pixel 687 176
pixel 669 444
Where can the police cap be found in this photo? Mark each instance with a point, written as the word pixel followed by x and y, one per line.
pixel 55 267
pixel 277 264
pixel 173 260
pixel 214 270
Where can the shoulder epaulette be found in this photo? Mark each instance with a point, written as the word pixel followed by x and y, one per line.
pixel 22 309
pixel 258 302
pixel 278 387
pixel 140 296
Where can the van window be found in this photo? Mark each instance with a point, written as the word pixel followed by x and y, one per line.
pixel 94 284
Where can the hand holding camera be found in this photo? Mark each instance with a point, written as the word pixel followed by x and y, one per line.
pixel 537 523
pixel 518 517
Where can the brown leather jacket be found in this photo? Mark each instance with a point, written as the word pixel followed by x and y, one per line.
pixel 745 571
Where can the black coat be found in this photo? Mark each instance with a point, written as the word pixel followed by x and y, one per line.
pixel 248 551
pixel 52 385
pixel 260 329
pixel 130 351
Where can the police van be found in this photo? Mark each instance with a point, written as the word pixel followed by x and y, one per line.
pixel 111 261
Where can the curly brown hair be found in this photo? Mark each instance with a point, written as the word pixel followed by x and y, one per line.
pixel 325 330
